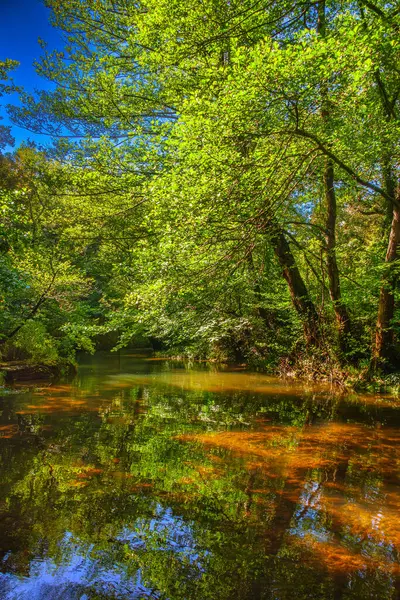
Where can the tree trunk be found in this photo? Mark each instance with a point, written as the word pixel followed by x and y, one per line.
pixel 384 337
pixel 341 314
pixel 300 297
pixel 383 352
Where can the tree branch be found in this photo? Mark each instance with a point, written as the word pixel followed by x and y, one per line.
pixel 327 152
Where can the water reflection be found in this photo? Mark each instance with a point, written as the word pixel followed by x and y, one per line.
pixel 85 571
pixel 146 479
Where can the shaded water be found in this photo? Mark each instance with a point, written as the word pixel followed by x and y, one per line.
pixel 147 479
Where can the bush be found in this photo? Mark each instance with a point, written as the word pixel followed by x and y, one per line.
pixel 34 343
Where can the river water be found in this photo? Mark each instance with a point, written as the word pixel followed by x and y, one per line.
pixel 146 478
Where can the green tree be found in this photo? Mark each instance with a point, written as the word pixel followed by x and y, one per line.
pixel 260 128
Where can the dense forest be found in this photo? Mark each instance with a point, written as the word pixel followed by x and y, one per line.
pixel 221 181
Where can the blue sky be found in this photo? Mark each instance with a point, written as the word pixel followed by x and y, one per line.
pixel 22 22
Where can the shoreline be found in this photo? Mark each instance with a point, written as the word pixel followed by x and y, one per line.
pixel 21 371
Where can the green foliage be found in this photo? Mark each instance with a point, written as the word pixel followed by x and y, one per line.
pixel 6 87
pixel 35 343
pixel 187 197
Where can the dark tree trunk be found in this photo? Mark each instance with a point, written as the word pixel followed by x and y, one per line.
pixel 384 353
pixel 341 314
pixel 300 297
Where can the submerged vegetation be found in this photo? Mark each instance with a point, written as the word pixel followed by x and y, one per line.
pixel 223 182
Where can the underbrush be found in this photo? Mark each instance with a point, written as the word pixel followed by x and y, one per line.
pixel 313 366
pixel 33 345
pixel 316 365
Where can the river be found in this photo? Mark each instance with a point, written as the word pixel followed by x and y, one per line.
pixel 147 478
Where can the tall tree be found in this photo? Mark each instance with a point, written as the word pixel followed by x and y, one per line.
pixel 237 115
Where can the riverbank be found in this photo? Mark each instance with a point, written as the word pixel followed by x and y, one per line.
pixel 20 371
pixel 311 368
pixel 350 378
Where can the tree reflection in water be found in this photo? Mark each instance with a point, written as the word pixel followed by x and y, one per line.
pixel 144 479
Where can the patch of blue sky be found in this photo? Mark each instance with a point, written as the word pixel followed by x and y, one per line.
pixel 22 23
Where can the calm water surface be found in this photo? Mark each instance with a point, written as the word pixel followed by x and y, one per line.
pixel 145 479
